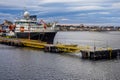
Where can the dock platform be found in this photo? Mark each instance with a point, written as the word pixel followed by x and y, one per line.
pixel 100 54
pixel 22 42
pixel 86 51
pixel 58 48
pixel 62 48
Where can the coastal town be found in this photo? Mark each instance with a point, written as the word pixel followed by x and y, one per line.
pixel 83 27
pixel 6 25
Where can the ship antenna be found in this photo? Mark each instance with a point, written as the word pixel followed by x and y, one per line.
pixel 25 9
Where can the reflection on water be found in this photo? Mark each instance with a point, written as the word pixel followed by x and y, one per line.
pixel 30 64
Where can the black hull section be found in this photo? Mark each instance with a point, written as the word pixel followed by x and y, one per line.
pixel 43 36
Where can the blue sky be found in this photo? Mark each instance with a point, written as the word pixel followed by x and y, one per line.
pixel 102 12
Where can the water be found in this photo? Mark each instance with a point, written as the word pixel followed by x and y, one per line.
pixel 100 39
pixel 30 64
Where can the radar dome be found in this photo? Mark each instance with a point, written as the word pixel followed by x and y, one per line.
pixel 26 14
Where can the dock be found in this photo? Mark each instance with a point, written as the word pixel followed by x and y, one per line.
pixel 62 48
pixel 58 48
pixel 100 54
pixel 86 51
pixel 22 42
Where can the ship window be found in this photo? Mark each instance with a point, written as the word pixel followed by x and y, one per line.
pixel 27 24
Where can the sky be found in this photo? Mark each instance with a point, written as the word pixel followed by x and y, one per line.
pixel 99 12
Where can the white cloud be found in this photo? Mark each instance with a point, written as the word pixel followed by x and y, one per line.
pixel 103 13
pixel 50 7
pixel 116 5
pixel 92 13
pixel 3 14
pixel 64 19
pixel 81 14
pixel 20 4
pixel 38 5
pixel 71 1
pixel 28 3
pixel 112 18
pixel 12 3
pixel 86 8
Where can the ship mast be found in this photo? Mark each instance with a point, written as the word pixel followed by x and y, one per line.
pixel 27 17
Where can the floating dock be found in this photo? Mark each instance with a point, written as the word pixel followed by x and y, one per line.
pixel 86 51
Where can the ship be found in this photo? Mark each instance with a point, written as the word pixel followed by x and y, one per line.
pixel 29 28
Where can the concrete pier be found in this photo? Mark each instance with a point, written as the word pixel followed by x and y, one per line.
pixel 100 54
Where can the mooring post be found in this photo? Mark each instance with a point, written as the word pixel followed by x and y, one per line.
pixel 110 54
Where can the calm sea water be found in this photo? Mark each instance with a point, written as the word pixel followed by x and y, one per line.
pixel 29 64
pixel 100 39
